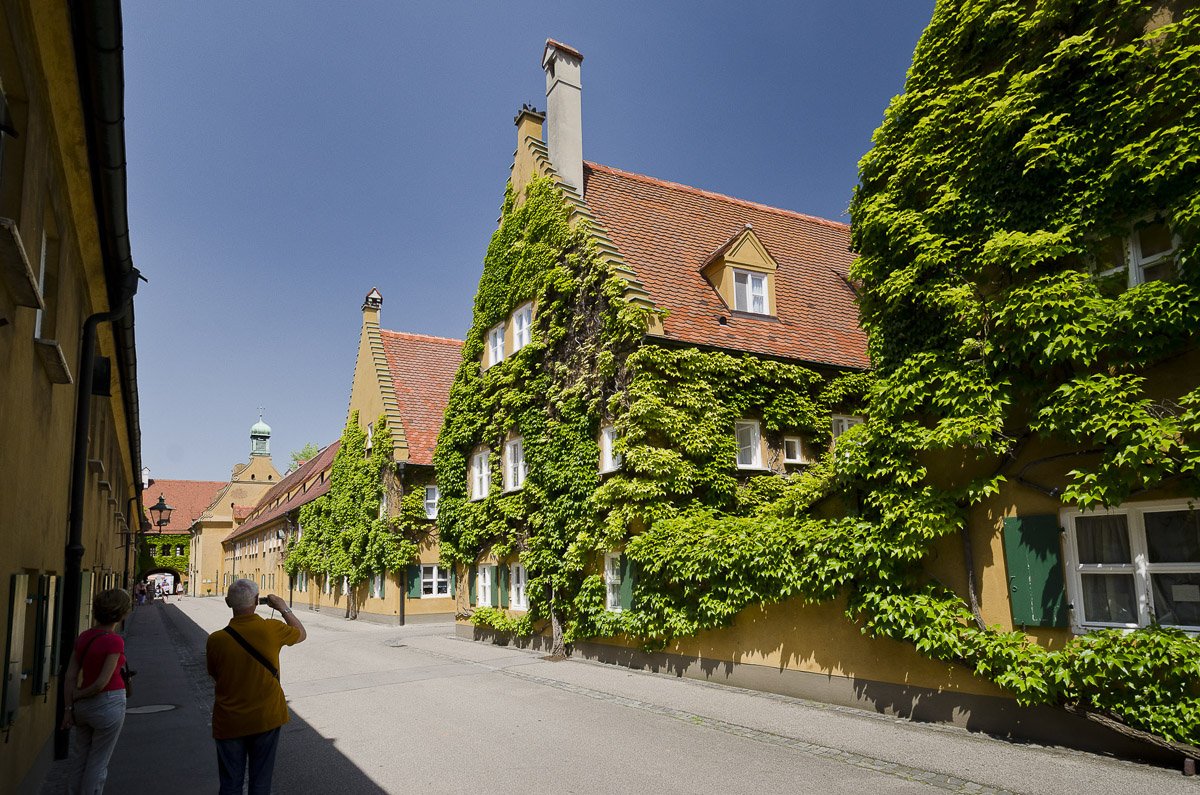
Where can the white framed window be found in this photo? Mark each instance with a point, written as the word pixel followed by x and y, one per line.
pixel 435 581
pixel 518 599
pixel 1145 255
pixel 370 435
pixel 522 321
pixel 514 464
pixel 481 474
pixel 495 344
pixel 750 292
pixel 1134 565
pixel 609 461
pixel 844 422
pixel 377 585
pixel 383 504
pixel 483 585
pixel 328 584
pixel 749 444
pixel 302 582
pixel 612 582
pixel 431 502
pixel 793 450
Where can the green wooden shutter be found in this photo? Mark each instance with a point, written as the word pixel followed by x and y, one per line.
pixel 502 586
pixel 14 649
pixel 627 579
pixel 414 582
pixel 495 585
pixel 472 590
pixel 1033 555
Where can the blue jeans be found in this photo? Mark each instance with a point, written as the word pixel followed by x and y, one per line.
pixel 98 722
pixel 232 758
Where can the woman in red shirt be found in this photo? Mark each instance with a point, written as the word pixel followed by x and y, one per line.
pixel 95 693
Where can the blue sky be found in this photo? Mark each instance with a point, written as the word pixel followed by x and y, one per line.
pixel 286 157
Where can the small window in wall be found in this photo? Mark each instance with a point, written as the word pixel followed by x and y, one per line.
pixel 495 345
pixel 483 584
pixel 1146 255
pixel 793 450
pixel 370 435
pixel 179 549
pixel 749 442
pixel 514 465
pixel 522 321
pixel 481 474
pixel 609 461
pixel 843 423
pixel 435 581
pixel 431 502
pixel 377 585
pixel 612 582
pixel 518 598
pixel 383 503
pixel 750 292
pixel 302 582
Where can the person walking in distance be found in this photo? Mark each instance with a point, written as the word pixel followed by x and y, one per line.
pixel 249 707
pixel 94 693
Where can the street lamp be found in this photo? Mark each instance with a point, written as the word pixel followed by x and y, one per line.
pixel 161 512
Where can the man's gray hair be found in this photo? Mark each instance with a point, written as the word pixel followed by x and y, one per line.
pixel 243 593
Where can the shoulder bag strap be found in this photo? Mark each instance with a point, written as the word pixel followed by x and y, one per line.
pixel 245 644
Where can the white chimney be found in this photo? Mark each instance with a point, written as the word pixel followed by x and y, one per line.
pixel 564 115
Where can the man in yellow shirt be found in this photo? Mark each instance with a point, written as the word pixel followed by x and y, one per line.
pixel 249 708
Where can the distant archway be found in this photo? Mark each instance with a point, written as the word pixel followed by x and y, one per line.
pixel 161 573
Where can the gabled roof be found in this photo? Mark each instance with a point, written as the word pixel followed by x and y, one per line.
pixel 666 232
pixel 422 370
pixel 298 488
pixel 189 498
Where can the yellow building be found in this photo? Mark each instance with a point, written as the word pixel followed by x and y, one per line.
pixel 70 449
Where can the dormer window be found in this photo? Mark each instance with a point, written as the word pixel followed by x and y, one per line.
pixel 750 292
pixel 495 345
pixel 522 321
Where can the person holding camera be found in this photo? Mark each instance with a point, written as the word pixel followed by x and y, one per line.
pixel 249 707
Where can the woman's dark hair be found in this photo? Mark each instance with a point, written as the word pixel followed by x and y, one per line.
pixel 109 607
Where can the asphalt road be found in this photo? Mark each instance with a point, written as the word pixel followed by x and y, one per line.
pixel 380 709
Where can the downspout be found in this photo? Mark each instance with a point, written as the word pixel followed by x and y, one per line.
pixel 130 536
pixel 403 580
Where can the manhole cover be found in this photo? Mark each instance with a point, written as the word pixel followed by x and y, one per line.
pixel 149 708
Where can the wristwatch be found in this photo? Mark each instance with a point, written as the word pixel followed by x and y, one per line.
pixel 286 610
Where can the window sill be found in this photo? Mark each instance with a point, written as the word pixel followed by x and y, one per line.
pixel 741 314
pixel 514 490
pixel 53 361
pixel 755 468
pixel 18 274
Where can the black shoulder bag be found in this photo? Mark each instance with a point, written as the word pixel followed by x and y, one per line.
pixel 245 644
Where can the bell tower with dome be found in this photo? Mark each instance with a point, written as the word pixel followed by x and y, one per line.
pixel 260 438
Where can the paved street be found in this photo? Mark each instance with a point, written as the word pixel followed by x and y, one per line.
pixel 391 709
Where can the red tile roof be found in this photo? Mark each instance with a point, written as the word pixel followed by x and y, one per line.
pixel 666 232
pixel 189 498
pixel 289 493
pixel 422 370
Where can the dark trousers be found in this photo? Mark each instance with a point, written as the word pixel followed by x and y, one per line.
pixel 257 751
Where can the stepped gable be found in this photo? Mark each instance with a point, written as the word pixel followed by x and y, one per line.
pixel 422 369
pixel 189 498
pixel 291 492
pixel 666 232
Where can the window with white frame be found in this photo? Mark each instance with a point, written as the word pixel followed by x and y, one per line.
pixel 750 292
pixel 370 435
pixel 518 599
pixel 435 581
pixel 609 460
pixel 302 582
pixel 431 502
pixel 377 584
pixel 328 584
pixel 483 585
pixel 1135 565
pixel 514 464
pixel 749 444
pixel 793 450
pixel 522 321
pixel 383 503
pixel 843 423
pixel 612 582
pixel 495 345
pixel 481 474
pixel 1146 255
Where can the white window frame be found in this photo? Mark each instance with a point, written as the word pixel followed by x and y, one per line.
pixel 1140 566
pixel 801 457
pixel 514 464
pixel 518 580
pixel 383 503
pixel 609 461
pixel 377 585
pixel 432 495
pixel 483 585
pixel 522 322
pixel 755 447
pixel 495 345
pixel 302 582
pixel 481 474
pixel 755 287
pixel 1135 265
pixel 370 435
pixel 612 582
pixel 434 577
pixel 840 423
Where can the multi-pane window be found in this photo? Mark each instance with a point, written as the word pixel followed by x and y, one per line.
pixel 495 345
pixel 522 321
pixel 1146 255
pixel 750 292
pixel 435 581
pixel 370 435
pixel 483 584
pixel 431 502
pixel 514 465
pixel 608 459
pixel 179 549
pixel 843 423
pixel 481 474
pixel 612 582
pixel 749 444
pixel 793 450
pixel 1135 565
pixel 518 599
